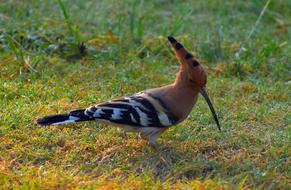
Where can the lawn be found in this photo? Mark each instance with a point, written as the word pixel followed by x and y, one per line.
pixel 57 56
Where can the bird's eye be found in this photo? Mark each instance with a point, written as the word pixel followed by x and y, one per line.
pixel 195 63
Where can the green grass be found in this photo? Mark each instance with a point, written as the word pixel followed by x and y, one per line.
pixel 45 69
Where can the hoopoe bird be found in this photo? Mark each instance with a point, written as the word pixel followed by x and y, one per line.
pixel 153 111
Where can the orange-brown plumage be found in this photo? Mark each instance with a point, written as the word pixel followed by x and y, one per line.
pixel 152 111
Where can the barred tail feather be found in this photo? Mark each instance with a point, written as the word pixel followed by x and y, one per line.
pixel 73 116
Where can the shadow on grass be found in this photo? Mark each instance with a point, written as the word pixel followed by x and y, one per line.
pixel 164 163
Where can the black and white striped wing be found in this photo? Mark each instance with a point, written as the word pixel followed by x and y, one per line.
pixel 142 110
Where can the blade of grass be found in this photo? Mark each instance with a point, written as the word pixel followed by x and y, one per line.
pixel 139 28
pixel 178 25
pixel 19 52
pixel 241 50
pixel 73 29
pixel 132 16
pixel 254 28
pixel 241 184
pixel 258 20
pixel 16 48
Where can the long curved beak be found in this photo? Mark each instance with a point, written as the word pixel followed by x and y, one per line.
pixel 206 97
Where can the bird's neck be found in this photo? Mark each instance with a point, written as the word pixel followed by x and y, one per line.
pixel 183 94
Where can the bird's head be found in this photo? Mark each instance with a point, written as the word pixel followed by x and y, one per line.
pixel 196 75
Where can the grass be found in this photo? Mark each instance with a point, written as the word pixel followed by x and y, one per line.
pixel 57 56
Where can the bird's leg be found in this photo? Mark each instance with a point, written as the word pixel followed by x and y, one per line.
pixel 124 134
pixel 153 142
pixel 152 135
pixel 142 136
pixel 152 138
pixel 148 136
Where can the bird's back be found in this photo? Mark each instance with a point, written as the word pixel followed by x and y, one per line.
pixel 141 110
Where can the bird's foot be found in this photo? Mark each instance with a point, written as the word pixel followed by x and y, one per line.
pixel 154 144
